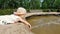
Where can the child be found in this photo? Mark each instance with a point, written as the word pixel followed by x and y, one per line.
pixel 15 17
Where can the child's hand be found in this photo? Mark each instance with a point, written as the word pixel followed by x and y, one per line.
pixel 29 25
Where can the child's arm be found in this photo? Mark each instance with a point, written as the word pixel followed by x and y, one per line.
pixel 25 22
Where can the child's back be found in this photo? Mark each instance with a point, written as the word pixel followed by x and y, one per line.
pixel 8 19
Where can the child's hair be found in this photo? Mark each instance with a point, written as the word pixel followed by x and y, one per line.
pixel 22 10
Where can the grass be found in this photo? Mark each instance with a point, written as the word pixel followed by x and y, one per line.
pixel 6 11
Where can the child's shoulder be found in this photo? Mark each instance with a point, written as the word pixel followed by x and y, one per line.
pixel 14 16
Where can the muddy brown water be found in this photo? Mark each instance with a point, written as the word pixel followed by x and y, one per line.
pixel 45 24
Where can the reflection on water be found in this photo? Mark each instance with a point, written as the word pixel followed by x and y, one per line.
pixel 45 24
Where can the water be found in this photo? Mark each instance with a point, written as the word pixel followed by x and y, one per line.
pixel 45 24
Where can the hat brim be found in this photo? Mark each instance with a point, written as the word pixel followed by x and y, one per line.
pixel 18 13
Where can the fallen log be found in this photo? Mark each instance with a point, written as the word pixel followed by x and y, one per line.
pixel 42 13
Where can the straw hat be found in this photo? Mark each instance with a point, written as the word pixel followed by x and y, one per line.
pixel 21 10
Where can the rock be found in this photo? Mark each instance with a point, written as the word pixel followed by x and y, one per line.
pixel 17 28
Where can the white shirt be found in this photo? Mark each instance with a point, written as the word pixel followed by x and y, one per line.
pixel 8 19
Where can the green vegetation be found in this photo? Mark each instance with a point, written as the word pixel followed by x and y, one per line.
pixel 6 11
pixel 30 4
pixel 7 6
